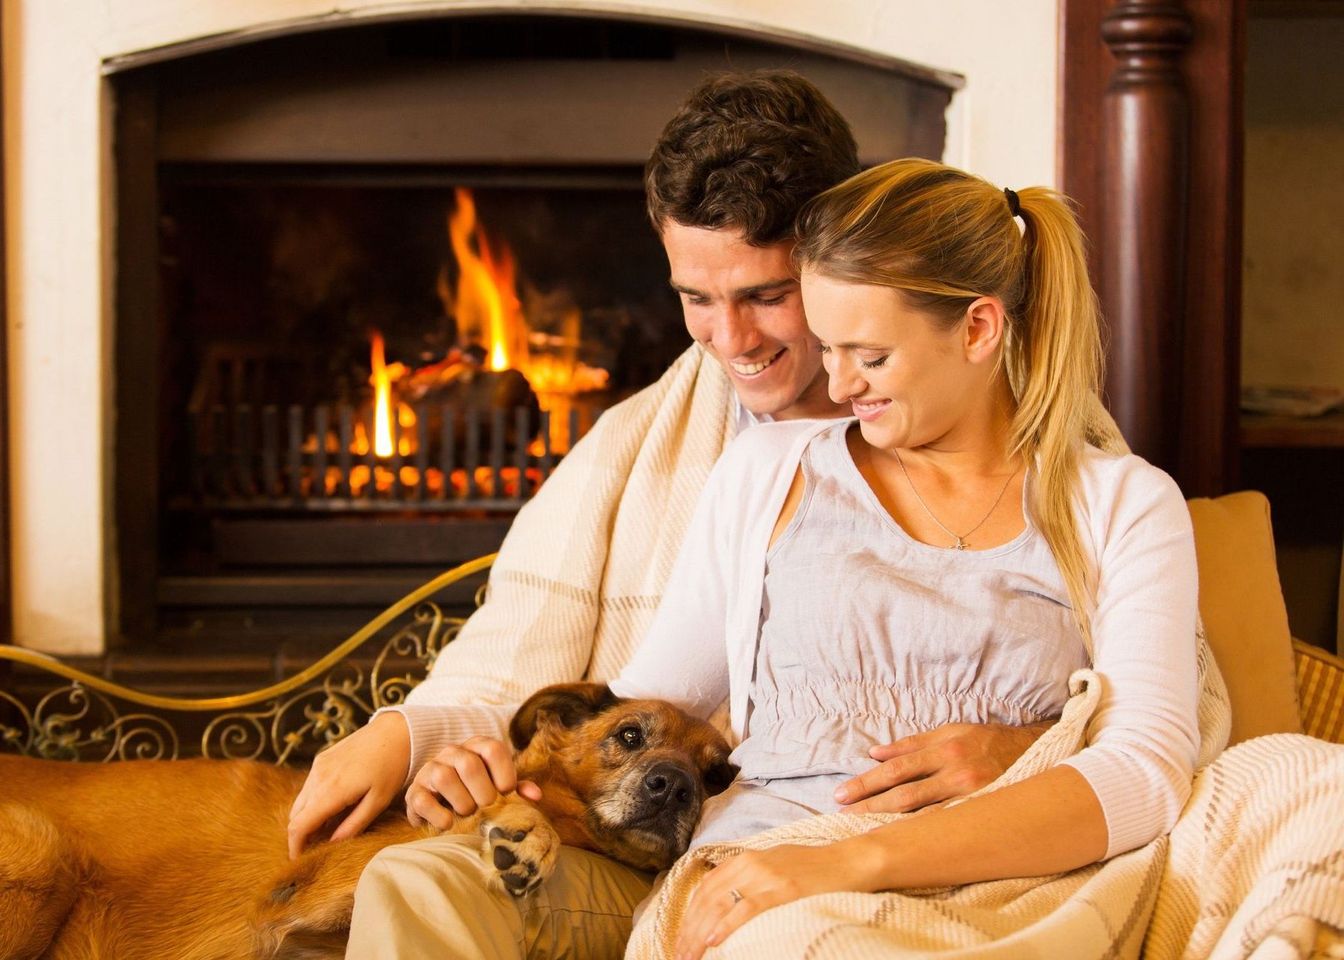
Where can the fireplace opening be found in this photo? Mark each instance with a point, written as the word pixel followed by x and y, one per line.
pixel 329 341
pixel 396 270
pixel 366 373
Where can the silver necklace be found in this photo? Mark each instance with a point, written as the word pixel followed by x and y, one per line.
pixel 959 538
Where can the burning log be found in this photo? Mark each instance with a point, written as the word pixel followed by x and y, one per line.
pixel 461 383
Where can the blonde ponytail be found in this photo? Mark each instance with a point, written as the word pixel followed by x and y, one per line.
pixel 1055 369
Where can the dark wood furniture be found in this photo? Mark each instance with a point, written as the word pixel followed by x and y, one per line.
pixel 1150 148
pixel 1258 432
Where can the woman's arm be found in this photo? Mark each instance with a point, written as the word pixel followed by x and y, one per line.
pixel 1144 738
pixel 1013 832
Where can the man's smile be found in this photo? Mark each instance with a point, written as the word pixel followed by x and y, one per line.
pixel 751 369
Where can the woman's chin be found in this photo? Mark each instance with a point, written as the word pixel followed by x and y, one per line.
pixel 878 435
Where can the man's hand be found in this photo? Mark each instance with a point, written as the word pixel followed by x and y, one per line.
pixel 463 778
pixel 364 772
pixel 936 766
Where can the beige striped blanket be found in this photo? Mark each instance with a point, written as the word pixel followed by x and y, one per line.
pixel 1254 868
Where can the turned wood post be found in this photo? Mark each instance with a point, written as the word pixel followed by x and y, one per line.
pixel 1142 246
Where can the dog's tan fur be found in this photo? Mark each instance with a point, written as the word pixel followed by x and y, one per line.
pixel 187 858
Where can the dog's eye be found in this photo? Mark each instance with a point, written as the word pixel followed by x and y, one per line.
pixel 632 737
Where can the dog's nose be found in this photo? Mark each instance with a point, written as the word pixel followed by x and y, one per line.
pixel 667 784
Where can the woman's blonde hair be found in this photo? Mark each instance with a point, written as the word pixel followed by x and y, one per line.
pixel 944 238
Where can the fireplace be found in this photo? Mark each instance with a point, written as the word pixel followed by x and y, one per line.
pixel 317 409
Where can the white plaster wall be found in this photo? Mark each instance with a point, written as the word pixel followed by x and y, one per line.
pixel 1001 126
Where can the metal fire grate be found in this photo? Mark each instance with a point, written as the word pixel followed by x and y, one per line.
pixel 322 458
pixel 251 450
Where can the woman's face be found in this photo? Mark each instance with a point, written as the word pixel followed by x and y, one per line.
pixel 910 382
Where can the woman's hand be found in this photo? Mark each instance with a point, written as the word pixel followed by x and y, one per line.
pixel 463 778
pixel 936 766
pixel 752 882
pixel 363 771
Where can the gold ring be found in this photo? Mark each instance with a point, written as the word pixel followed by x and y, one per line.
pixel 737 897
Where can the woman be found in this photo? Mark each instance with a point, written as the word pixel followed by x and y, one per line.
pixel 953 556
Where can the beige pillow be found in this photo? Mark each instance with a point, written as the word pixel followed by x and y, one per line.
pixel 1242 606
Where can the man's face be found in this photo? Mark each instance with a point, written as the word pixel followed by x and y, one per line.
pixel 743 304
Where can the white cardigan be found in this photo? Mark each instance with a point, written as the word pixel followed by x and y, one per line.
pixel 1135 528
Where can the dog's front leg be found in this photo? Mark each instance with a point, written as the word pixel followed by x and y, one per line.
pixel 518 843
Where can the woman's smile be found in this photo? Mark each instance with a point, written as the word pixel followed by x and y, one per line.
pixel 869 410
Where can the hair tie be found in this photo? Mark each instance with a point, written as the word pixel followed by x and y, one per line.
pixel 1014 204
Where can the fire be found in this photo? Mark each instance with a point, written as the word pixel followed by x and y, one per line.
pixel 486 302
pixel 488 312
pixel 382 400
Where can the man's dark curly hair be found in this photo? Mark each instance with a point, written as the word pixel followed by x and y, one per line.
pixel 746 151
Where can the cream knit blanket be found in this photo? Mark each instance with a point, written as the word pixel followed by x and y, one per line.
pixel 1254 863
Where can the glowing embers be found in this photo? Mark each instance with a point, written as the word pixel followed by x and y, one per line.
pixel 445 456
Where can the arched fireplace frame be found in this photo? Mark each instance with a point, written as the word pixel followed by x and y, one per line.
pixel 139 588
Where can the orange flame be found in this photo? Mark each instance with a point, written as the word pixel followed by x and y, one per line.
pixel 382 400
pixel 486 305
pixel 488 311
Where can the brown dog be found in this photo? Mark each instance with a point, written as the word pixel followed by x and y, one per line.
pixel 186 858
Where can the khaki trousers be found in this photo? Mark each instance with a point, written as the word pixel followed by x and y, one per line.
pixel 429 899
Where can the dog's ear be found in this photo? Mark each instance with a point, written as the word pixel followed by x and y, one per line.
pixel 567 703
pixel 719 776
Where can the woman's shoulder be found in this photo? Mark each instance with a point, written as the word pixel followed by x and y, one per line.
pixel 776 438
pixel 764 449
pixel 1118 484
pixel 1119 470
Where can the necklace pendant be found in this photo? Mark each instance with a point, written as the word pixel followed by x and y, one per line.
pixel 959 545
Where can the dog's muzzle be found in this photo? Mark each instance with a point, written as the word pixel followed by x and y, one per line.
pixel 669 788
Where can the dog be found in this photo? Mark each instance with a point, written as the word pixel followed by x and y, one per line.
pixel 187 858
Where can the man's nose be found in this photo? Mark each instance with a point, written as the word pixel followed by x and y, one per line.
pixel 734 333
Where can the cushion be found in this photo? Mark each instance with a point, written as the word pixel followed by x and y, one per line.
pixel 1242 606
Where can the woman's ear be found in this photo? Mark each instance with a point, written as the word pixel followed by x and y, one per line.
pixel 984 329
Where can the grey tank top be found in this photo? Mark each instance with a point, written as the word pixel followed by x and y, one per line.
pixel 868 635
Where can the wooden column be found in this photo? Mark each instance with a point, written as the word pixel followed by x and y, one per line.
pixel 1144 160
pixel 1208 461
pixel 1150 149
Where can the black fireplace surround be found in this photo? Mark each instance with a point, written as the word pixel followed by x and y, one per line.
pixel 280 198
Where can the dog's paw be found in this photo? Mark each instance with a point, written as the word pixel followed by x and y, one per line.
pixel 520 845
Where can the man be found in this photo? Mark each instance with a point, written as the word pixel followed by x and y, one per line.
pixel 580 574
